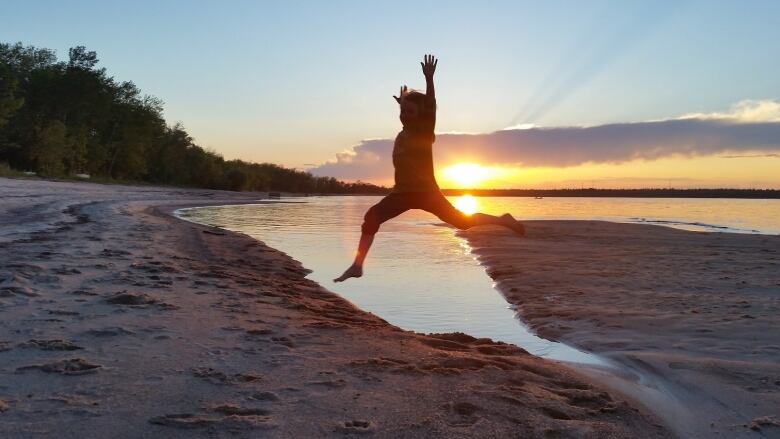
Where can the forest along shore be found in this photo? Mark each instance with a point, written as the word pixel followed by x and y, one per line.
pixel 693 315
pixel 120 319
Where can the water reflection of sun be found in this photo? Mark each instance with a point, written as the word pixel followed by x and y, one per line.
pixel 467 204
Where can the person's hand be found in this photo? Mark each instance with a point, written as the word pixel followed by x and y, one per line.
pixel 400 94
pixel 429 65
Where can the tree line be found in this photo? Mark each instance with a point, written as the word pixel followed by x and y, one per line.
pixel 62 118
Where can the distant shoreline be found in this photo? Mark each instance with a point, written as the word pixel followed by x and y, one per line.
pixel 767 194
pixel 627 193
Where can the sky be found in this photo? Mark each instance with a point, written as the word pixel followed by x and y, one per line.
pixel 530 94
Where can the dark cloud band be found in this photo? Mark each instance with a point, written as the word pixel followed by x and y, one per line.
pixel 572 146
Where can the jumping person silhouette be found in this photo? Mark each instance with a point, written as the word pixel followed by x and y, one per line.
pixel 415 184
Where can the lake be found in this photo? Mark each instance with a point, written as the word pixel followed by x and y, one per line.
pixel 420 275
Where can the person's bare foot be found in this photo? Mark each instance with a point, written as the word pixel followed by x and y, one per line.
pixel 514 224
pixel 352 271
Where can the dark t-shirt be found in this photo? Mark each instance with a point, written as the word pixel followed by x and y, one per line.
pixel 413 153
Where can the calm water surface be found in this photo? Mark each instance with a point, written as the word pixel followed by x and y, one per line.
pixel 421 276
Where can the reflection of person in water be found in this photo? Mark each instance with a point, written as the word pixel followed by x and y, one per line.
pixel 415 184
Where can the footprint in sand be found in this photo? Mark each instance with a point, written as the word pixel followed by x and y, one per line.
pixel 284 341
pixel 50 345
pixel 46 279
pixel 555 413
pixel 265 396
pixel 765 422
pixel 259 331
pixel 62 312
pixel 73 366
pixel 232 409
pixel 125 298
pixel 232 328
pixel 236 418
pixel 330 384
pixel 138 300
pixel 65 270
pixel 217 377
pixel 113 253
pixel 462 414
pixel 465 408
pixel 26 271
pixel 230 423
pixel 183 420
pixel 588 399
pixel 109 332
pixel 356 427
pixel 11 291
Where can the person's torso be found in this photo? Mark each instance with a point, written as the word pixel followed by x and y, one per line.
pixel 413 154
pixel 413 162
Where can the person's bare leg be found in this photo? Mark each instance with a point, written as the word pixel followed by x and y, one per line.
pixel 356 269
pixel 514 224
pixel 505 220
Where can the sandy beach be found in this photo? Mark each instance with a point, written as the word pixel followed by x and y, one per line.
pixel 120 320
pixel 693 316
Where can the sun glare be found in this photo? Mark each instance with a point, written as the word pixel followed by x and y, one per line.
pixel 466 175
pixel 467 204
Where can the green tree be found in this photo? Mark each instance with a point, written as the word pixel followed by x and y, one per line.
pixel 81 58
pixel 9 103
pixel 48 150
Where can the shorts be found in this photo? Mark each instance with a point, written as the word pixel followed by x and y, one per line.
pixel 399 202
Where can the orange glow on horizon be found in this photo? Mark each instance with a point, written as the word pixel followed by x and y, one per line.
pixel 678 172
pixel 466 175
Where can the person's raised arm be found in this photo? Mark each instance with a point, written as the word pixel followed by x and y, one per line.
pixel 429 67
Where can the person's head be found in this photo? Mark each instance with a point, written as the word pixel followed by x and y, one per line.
pixel 411 103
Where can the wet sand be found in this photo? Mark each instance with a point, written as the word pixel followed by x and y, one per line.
pixel 694 317
pixel 120 320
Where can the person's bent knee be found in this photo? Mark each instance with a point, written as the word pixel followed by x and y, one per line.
pixel 370 223
pixel 369 228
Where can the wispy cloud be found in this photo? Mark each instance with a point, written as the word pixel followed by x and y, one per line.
pixel 744 111
pixel 749 127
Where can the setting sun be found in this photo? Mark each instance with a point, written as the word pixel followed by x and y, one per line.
pixel 467 204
